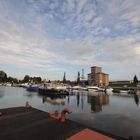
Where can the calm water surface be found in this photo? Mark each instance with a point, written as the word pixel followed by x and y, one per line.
pixel 114 114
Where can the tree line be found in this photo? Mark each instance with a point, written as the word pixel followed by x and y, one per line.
pixel 29 79
pixel 4 78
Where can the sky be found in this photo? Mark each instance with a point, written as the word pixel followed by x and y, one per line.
pixel 49 37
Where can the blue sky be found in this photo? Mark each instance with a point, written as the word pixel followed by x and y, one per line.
pixel 49 37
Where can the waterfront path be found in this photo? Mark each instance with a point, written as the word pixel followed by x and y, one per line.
pixel 22 123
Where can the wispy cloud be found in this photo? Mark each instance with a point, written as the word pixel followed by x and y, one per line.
pixel 50 36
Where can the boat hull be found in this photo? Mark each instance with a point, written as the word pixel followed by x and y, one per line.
pixel 52 92
pixel 32 88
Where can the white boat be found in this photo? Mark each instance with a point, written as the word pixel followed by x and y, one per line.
pixel 94 89
pixel 8 84
pixel 25 85
pixel 123 92
pixel 61 88
pixel 78 89
pixel 109 91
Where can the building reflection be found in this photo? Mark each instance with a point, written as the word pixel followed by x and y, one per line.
pixel 97 102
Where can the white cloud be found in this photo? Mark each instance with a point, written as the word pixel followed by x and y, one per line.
pixel 137 50
pixel 53 35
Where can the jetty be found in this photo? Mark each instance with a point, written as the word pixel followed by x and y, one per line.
pixel 27 123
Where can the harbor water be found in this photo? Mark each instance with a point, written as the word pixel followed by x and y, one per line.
pixel 118 115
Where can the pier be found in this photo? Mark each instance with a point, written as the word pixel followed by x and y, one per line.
pixel 32 124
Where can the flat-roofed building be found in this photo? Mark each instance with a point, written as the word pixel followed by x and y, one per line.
pixel 97 77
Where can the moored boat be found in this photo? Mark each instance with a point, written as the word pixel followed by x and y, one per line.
pixel 32 88
pixel 95 88
pixel 78 89
pixel 52 91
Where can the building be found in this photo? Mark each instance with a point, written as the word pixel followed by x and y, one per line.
pixel 97 77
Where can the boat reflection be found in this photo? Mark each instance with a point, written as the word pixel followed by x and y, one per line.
pixel 54 101
pixel 97 101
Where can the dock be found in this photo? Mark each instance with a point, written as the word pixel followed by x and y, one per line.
pixel 32 124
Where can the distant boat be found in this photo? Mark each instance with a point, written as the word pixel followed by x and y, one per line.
pixel 95 88
pixel 32 88
pixel 8 84
pixel 109 91
pixel 25 85
pixel 124 93
pixel 78 89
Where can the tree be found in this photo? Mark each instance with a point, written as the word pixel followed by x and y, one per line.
pixel 135 80
pixel 78 78
pixel 37 79
pixel 3 76
pixel 64 78
pixel 26 79
pixel 12 80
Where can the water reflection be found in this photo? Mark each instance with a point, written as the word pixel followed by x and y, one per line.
pixel 97 102
pixel 121 109
pixel 136 99
pixel 68 101
pixel 54 101
pixel 2 91
pixel 78 99
pixel 82 102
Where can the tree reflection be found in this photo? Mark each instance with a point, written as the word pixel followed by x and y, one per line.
pixel 136 98
pixel 78 99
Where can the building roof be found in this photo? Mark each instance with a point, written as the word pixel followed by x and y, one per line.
pixel 98 73
pixel 95 67
pixel 102 73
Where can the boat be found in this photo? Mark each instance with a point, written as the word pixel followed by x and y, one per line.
pixel 8 84
pixel 52 91
pixel 95 88
pixel 123 92
pixel 61 88
pixel 78 89
pixel 32 88
pixel 109 91
pixel 24 85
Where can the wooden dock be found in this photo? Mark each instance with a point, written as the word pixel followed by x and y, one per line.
pixel 22 123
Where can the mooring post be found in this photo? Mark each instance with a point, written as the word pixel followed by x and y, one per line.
pixel 27 105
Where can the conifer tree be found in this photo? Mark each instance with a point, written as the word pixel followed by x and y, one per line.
pixel 78 78
pixel 135 80
pixel 64 78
